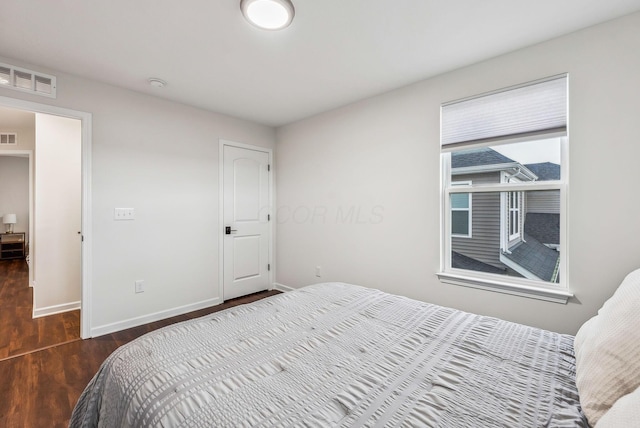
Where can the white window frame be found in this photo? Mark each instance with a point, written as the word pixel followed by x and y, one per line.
pixel 514 212
pixel 469 210
pixel 505 216
pixel 532 111
pixel 558 293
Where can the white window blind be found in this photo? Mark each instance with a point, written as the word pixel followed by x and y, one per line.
pixel 532 109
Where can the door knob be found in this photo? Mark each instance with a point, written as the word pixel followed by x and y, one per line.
pixel 228 230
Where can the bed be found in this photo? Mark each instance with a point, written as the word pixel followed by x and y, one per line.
pixel 337 355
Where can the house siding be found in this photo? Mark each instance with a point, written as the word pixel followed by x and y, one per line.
pixel 484 244
pixel 543 202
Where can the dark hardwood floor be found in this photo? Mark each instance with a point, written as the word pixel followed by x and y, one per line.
pixel 41 388
pixel 19 333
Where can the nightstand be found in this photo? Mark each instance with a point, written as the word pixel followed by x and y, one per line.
pixel 12 246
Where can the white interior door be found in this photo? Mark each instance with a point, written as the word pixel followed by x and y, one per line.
pixel 57 255
pixel 247 232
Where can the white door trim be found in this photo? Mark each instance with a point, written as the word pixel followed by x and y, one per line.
pixel 29 154
pixel 222 143
pixel 85 118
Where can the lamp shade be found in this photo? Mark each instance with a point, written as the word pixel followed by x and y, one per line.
pixel 9 219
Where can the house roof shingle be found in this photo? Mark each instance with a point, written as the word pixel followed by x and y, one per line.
pixel 460 261
pixel 536 258
pixel 476 157
pixel 544 227
pixel 545 170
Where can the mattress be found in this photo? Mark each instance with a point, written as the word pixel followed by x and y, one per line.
pixel 337 355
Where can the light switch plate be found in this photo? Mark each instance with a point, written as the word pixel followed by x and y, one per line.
pixel 124 214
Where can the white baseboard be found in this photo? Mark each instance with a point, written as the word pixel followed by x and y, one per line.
pixel 55 309
pixel 282 287
pixel 156 316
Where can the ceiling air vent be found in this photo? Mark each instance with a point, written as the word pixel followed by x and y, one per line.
pixel 8 139
pixel 24 80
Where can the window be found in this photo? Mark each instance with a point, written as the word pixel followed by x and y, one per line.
pixel 461 212
pixel 514 214
pixel 504 158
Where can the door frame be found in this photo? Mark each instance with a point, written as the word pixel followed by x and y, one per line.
pixel 86 265
pixel 222 143
pixel 29 155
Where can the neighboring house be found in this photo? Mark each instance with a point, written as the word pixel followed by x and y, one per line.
pixel 511 233
pixel 543 208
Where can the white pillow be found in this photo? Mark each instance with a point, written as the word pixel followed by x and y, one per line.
pixel 624 413
pixel 607 349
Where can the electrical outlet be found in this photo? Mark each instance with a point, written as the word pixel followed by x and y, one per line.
pixel 139 286
pixel 318 271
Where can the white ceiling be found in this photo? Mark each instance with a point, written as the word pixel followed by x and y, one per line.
pixel 334 53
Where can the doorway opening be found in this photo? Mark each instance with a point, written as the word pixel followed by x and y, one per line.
pixel 55 266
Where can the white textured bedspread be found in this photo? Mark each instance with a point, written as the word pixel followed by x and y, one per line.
pixel 337 355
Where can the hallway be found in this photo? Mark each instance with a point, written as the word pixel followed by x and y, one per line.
pixel 19 333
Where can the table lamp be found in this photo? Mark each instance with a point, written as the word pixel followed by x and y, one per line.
pixel 9 220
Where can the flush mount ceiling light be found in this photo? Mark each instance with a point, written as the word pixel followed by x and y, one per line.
pixel 268 14
pixel 156 83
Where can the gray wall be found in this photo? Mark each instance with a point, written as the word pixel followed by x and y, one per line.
pixel 160 158
pixel 14 191
pixel 384 153
pixel 22 123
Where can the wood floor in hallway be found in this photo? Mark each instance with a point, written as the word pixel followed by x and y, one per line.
pixel 40 389
pixel 19 332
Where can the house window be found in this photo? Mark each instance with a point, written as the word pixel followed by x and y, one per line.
pixel 507 152
pixel 461 212
pixel 515 199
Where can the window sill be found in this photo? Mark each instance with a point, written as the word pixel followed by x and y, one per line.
pixel 540 293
